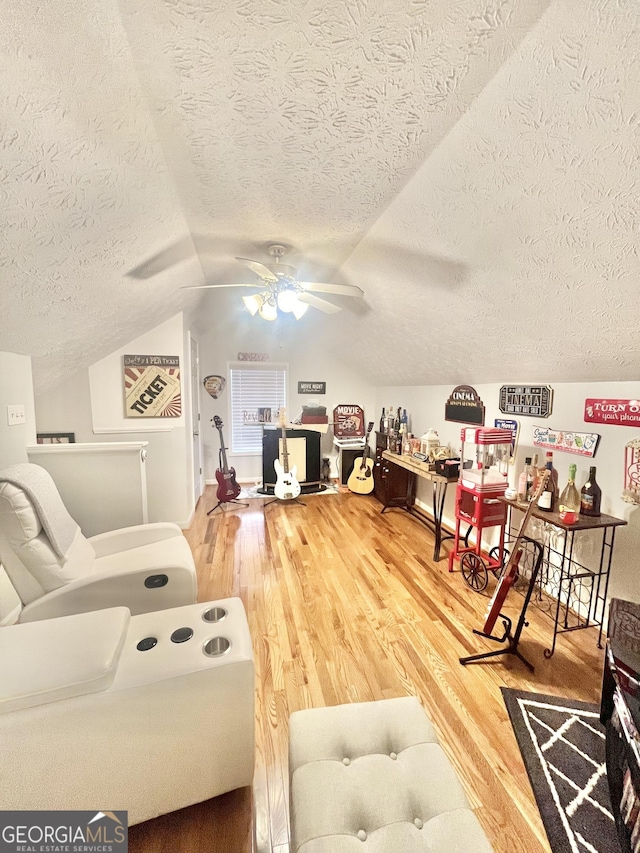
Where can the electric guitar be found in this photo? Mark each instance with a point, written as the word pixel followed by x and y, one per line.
pixel 287 487
pixel 361 478
pixel 511 569
pixel 228 489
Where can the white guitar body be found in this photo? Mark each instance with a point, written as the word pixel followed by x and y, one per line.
pixel 287 487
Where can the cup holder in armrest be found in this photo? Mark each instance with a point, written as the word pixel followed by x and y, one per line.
pixel 214 614
pixel 216 646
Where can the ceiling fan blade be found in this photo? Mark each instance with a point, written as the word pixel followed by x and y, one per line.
pixel 343 289
pixel 320 304
pixel 255 285
pixel 259 269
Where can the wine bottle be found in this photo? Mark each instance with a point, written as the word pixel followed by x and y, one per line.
pixel 590 495
pixel 549 498
pixel 523 479
pixel 569 505
pixel 383 422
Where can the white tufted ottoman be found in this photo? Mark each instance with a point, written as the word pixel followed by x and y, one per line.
pixel 372 778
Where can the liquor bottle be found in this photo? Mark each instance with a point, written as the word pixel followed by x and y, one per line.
pixel 549 498
pixel 390 419
pixel 383 422
pixel 396 425
pixel 569 505
pixel 535 478
pixel 523 480
pixel 590 495
pixel 405 420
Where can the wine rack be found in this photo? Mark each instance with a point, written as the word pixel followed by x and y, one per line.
pixel 571 589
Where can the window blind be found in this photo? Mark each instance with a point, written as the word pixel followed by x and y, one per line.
pixel 254 387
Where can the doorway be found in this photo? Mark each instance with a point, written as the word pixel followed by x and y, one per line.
pixel 195 421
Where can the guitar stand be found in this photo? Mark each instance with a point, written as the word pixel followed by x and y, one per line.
pixel 221 503
pixel 286 501
pixel 512 639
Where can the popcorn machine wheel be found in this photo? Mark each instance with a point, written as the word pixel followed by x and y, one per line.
pixel 484 461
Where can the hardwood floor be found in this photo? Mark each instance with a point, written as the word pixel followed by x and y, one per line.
pixel 346 605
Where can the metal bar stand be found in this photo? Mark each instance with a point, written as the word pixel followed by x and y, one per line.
pixel 511 639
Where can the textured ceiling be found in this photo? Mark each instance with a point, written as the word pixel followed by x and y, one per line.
pixel 471 165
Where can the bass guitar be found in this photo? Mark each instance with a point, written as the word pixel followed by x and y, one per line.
pixel 361 478
pixel 287 487
pixel 228 488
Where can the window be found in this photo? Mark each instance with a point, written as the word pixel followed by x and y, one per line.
pixel 253 387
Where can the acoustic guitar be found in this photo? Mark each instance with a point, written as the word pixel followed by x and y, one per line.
pixel 511 569
pixel 361 478
pixel 287 487
pixel 228 488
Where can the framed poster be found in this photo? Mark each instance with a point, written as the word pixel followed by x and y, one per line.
pixel 152 386
pixel 56 438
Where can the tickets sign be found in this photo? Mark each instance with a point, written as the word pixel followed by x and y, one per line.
pixel 617 412
pixel 152 386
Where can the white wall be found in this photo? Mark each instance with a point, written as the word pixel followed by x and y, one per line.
pixel 91 404
pixel 300 343
pixel 426 406
pixel 16 388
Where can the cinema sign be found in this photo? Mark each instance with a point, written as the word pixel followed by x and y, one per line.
pixel 152 386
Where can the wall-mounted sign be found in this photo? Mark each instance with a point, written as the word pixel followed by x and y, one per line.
pixel 214 385
pixel 582 443
pixel 631 493
pixel 262 415
pixel 513 427
pixel 618 412
pixel 531 400
pixel 312 387
pixel 465 406
pixel 348 421
pixel 152 386
pixel 253 356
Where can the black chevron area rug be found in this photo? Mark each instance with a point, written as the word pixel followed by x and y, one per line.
pixel 563 747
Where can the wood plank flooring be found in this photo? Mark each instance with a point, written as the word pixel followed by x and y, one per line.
pixel 346 605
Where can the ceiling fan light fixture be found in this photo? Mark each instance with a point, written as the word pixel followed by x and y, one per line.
pixel 299 309
pixel 287 300
pixel 253 303
pixel 268 310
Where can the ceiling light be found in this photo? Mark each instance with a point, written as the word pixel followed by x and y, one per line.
pixel 287 300
pixel 268 310
pixel 253 303
pixel 299 309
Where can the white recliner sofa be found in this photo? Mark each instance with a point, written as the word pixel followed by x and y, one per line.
pixel 147 713
pixel 57 571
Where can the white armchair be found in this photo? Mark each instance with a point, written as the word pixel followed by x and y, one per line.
pixel 57 571
pixel 149 713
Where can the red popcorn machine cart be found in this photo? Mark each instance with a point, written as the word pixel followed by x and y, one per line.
pixel 484 464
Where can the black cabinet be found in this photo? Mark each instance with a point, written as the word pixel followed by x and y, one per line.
pixel 392 485
pixel 620 713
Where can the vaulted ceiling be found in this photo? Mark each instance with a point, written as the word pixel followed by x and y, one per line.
pixel 471 165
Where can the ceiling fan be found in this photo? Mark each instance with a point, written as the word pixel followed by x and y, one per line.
pixel 281 290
